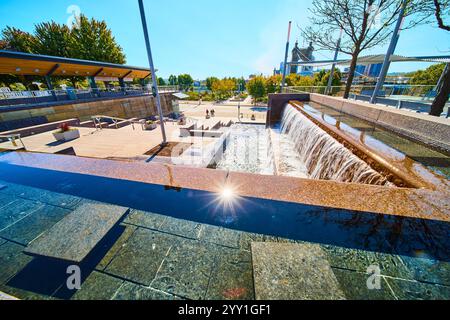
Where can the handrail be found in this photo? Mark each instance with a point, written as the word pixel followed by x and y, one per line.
pixel 48 93
pixel 97 121
pixel 12 138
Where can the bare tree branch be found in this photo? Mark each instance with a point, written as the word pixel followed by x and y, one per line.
pixel 365 24
pixel 438 14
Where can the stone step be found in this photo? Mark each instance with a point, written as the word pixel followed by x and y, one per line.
pixel 73 238
pixel 293 271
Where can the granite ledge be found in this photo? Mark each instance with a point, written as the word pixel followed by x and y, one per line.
pixel 418 203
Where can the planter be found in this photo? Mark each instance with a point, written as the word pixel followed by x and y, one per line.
pixel 67 135
pixel 152 126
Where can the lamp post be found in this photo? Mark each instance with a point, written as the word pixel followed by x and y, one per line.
pixel 333 67
pixel 286 57
pixel 155 90
pixel 239 101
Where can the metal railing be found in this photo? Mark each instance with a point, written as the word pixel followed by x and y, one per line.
pixel 9 98
pixel 13 139
pixel 415 92
pixel 115 121
pixel 413 97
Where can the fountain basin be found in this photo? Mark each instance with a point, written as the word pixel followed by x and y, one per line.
pixel 360 137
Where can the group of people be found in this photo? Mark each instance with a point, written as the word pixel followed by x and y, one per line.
pixel 210 114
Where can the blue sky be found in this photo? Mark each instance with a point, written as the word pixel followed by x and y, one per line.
pixel 208 37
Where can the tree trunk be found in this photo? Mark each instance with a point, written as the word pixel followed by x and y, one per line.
pixel 443 91
pixel 351 75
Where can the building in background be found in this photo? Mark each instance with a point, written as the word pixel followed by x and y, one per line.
pixel 304 55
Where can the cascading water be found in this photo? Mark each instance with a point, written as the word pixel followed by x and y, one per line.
pixel 247 150
pixel 319 155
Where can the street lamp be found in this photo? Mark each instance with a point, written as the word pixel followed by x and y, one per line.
pixel 155 90
pixel 239 101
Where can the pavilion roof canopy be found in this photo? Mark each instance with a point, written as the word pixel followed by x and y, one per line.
pixel 375 59
pixel 19 63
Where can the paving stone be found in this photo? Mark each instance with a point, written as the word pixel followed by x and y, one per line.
pixel 221 236
pixel 232 277
pixel 12 260
pixel 183 228
pixel 73 238
pixel 413 290
pixel 428 270
pixel 145 219
pixel 44 196
pixel 361 260
pixel 41 276
pixel 142 255
pixel 29 228
pixel 6 199
pixel 130 291
pixel 16 211
pixel 98 286
pixel 286 271
pixel 24 294
pixel 187 269
pixel 354 286
pixel 246 239
pixel 118 245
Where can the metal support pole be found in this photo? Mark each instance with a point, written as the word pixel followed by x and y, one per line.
pixel 283 82
pixel 93 85
pixel 122 86
pixel 50 87
pixel 390 52
pixel 441 78
pixel 333 67
pixel 152 69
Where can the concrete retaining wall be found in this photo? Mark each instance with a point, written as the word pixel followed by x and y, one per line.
pixel 128 107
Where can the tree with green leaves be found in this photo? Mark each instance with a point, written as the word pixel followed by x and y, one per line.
pixel 256 87
pixel 321 78
pixel 429 76
pixel 161 82
pixel 185 81
pixel 89 39
pixel 296 80
pixel 210 81
pixel 52 39
pixel 242 84
pixel 223 88
pixel 273 83
pixel 173 80
pixel 17 40
pixel 93 40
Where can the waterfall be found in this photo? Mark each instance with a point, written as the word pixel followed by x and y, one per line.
pixel 323 156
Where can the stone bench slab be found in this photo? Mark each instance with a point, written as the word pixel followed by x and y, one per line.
pixel 73 238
